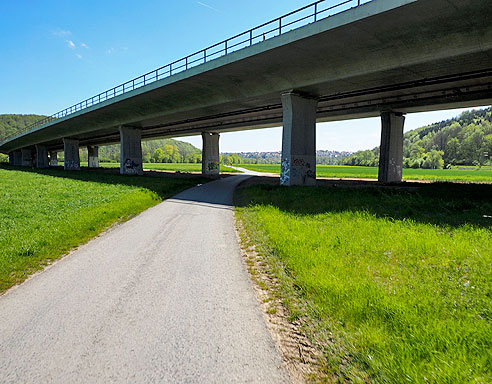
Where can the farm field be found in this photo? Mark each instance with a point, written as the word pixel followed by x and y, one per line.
pixel 336 171
pixel 173 167
pixel 46 213
pixel 395 284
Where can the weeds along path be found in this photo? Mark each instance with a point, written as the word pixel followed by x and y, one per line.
pixel 164 297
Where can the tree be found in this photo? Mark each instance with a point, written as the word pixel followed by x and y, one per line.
pixel 158 155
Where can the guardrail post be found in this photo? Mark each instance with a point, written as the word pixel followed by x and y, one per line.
pixel 250 37
pixel 315 12
pixel 225 47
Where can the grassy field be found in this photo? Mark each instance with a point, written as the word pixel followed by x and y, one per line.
pixel 337 171
pixel 396 285
pixel 46 213
pixel 174 167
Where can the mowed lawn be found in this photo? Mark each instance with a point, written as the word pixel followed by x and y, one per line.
pixel 337 171
pixel 173 167
pixel 396 285
pixel 44 214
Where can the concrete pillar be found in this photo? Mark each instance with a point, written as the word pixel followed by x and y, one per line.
pixel 53 159
pixel 391 150
pixel 93 153
pixel 41 156
pixel 71 155
pixel 26 157
pixel 131 151
pixel 210 153
pixel 17 158
pixel 298 140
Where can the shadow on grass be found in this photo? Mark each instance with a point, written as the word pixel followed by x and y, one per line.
pixel 163 184
pixel 441 204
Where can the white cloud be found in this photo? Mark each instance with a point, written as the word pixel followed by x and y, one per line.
pixel 110 51
pixel 70 43
pixel 84 45
pixel 207 6
pixel 61 32
pixel 78 55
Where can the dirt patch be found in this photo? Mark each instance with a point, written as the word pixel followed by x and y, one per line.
pixel 302 359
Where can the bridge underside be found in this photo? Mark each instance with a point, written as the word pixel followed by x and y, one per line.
pixel 388 56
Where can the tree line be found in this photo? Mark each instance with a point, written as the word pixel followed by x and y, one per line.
pixel 464 140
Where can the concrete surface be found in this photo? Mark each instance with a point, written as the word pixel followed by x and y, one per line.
pixel 93 156
pixel 131 151
pixel 210 153
pixel 71 155
pixel 391 149
pixel 42 160
pixel 298 140
pixel 163 298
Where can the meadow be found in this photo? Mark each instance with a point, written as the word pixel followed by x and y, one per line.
pixel 469 174
pixel 171 167
pixel 395 285
pixel 45 213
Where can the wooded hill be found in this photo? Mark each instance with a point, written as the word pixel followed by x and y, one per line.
pixel 463 140
pixel 165 150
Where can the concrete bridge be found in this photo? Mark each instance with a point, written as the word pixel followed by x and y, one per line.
pixel 328 61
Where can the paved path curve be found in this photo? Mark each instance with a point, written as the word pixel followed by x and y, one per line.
pixel 163 298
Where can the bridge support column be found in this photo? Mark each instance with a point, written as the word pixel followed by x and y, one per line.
pixel 17 158
pixel 391 150
pixel 53 159
pixel 131 151
pixel 298 140
pixel 71 155
pixel 93 152
pixel 41 156
pixel 210 153
pixel 26 157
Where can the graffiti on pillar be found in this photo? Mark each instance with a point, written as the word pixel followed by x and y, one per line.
pixel 285 172
pixel 131 168
pixel 72 164
pixel 212 165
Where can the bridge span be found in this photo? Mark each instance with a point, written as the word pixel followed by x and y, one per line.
pixel 327 61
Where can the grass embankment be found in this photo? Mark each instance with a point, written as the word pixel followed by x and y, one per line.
pixel 172 167
pixel 46 213
pixel 396 284
pixel 338 171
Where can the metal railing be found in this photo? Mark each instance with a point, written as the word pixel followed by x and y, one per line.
pixel 303 16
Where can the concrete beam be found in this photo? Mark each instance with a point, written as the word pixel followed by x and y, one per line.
pixel 26 157
pixel 42 160
pixel 298 140
pixel 53 159
pixel 93 152
pixel 210 153
pixel 131 151
pixel 391 150
pixel 71 154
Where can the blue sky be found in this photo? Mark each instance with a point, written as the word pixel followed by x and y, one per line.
pixel 57 53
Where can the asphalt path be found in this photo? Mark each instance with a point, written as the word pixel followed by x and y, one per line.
pixel 162 298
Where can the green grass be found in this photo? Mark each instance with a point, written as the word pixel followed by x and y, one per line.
pixel 44 214
pixel 174 167
pixel 336 171
pixel 395 284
